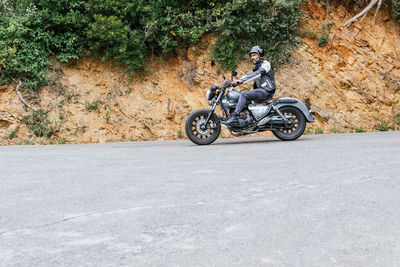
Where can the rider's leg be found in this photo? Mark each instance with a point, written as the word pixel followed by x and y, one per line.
pixel 256 94
pixel 253 95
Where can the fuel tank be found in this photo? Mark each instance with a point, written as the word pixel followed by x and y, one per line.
pixel 233 96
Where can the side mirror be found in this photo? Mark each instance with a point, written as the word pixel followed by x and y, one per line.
pixel 234 74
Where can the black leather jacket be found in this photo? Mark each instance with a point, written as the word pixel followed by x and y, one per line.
pixel 263 76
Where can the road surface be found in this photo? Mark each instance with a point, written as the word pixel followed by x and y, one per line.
pixel 323 200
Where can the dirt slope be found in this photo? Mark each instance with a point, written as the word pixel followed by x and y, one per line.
pixel 353 81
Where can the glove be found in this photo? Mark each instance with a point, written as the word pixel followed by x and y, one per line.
pixel 238 82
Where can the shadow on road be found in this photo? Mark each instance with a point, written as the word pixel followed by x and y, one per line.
pixel 252 141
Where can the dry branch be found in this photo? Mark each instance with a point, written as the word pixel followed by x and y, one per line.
pixel 22 98
pixel 364 12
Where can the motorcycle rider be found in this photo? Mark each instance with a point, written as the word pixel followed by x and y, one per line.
pixel 264 82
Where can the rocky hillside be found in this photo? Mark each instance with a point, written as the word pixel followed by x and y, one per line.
pixel 353 82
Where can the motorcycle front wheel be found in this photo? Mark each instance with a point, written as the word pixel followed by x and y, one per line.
pixel 198 132
pixel 295 126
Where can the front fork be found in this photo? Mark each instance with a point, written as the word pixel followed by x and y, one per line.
pixel 207 123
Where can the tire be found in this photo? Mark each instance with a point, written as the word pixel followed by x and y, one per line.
pixel 297 126
pixel 202 136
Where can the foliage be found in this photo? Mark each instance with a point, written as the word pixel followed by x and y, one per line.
pixel 336 130
pixel 396 9
pixel 360 129
pixel 40 124
pixel 383 126
pixel 179 133
pixel 107 117
pixel 324 37
pixel 94 106
pixel 129 31
pixel 268 23
pixel 318 131
pixel 12 133
pixel 31 31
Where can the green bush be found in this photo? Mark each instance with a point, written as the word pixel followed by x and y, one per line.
pixel 129 31
pixel 318 131
pixel 40 124
pixel 31 31
pixel 360 129
pixel 268 23
pixel 383 126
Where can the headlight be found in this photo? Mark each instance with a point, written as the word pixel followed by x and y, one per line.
pixel 209 95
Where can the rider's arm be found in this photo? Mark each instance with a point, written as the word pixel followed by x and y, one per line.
pixel 265 68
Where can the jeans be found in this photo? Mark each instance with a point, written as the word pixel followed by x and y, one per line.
pixel 253 95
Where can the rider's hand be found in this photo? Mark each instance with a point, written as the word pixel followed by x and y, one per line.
pixel 237 82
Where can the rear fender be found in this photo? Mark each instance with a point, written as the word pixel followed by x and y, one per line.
pixel 289 101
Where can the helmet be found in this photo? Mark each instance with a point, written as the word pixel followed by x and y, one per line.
pixel 257 49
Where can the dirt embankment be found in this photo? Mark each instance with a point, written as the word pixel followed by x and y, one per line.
pixel 353 81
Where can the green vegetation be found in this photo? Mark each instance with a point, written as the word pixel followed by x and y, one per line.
pixel 40 124
pixel 107 117
pixel 318 131
pixel 309 130
pixel 129 31
pixel 179 133
pixel 336 130
pixel 359 129
pixel 383 126
pixel 12 133
pixel 94 106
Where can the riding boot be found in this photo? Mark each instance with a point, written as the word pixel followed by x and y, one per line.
pixel 233 118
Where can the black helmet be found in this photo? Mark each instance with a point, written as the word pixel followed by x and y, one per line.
pixel 257 49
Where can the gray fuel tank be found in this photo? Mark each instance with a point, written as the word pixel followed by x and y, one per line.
pixel 233 96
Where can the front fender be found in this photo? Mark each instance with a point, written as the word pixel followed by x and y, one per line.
pixel 289 101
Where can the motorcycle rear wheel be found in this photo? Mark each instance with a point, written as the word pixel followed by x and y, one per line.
pixel 296 126
pixel 195 130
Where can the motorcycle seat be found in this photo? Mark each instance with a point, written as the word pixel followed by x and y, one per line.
pixel 264 101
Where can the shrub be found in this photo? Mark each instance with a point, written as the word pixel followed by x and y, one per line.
pixel 323 39
pixel 179 133
pixel 31 31
pixel 40 124
pixel 318 131
pixel 94 106
pixel 359 129
pixel 242 25
pixel 383 126
pixel 129 31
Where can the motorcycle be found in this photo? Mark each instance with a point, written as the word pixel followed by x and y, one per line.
pixel 285 117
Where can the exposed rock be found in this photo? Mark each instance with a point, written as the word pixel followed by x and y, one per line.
pixel 351 81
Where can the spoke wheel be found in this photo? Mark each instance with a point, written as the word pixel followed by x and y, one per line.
pixel 198 132
pixel 295 126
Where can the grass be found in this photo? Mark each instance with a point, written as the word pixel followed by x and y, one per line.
pixel 107 117
pixel 62 141
pixel 318 131
pixel 323 39
pixel 94 106
pixel 360 129
pixel 308 130
pixel 335 130
pixel 179 133
pixel 12 134
pixel 383 126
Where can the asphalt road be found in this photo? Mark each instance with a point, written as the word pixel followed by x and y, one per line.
pixel 323 200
